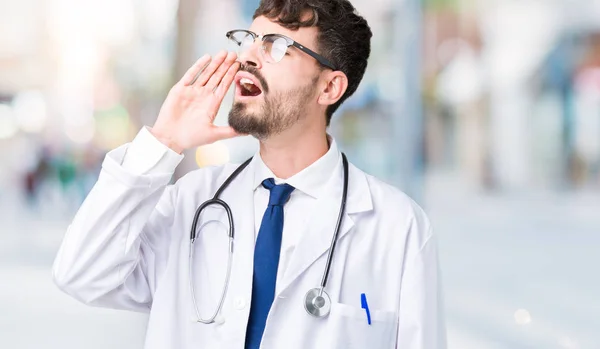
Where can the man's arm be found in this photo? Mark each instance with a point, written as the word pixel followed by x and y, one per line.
pixel 117 245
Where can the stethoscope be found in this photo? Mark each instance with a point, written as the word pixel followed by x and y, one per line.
pixel 316 301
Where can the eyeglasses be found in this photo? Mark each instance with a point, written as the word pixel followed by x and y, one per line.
pixel 274 46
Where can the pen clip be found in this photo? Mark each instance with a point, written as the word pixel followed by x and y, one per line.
pixel 365 306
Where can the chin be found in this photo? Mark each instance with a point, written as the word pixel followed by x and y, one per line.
pixel 242 107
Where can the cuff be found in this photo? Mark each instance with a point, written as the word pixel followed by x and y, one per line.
pixel 147 155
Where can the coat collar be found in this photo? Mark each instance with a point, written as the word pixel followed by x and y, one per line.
pixel 312 180
pixel 320 227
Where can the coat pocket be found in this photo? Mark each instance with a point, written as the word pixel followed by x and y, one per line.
pixel 351 329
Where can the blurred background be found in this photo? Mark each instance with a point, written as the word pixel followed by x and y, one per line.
pixel 486 112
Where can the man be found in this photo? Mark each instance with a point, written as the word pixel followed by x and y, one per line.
pixel 129 245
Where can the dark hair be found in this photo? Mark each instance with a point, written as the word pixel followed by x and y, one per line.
pixel 344 36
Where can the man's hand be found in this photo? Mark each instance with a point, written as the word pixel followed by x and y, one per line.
pixel 187 115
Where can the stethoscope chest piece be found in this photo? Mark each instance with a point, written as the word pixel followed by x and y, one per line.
pixel 317 302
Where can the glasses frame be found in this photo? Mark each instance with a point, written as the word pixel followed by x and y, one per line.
pixel 290 42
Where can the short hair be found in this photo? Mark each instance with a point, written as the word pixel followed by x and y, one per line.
pixel 344 36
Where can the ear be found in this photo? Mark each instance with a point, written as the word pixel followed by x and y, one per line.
pixel 335 87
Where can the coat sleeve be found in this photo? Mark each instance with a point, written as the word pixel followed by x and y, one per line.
pixel 421 322
pixel 117 246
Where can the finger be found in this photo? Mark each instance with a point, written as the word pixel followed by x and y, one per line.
pixel 215 79
pixel 224 132
pixel 210 69
pixel 194 70
pixel 227 80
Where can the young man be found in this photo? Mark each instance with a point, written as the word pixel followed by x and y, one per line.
pixel 129 246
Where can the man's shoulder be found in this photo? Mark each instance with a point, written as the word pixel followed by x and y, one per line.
pixel 392 207
pixel 382 190
pixel 389 199
pixel 206 176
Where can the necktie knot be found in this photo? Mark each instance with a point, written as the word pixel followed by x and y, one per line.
pixel 279 193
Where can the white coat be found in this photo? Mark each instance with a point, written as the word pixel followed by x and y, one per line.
pixel 128 245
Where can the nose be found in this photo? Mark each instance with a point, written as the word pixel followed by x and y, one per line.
pixel 251 56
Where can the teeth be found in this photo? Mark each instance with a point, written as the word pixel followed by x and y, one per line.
pixel 246 81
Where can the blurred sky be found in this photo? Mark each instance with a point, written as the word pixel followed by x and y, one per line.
pixel 486 112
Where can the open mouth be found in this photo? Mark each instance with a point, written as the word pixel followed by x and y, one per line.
pixel 247 87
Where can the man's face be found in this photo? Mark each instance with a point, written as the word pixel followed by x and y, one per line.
pixel 270 96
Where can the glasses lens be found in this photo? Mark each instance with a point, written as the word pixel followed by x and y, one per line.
pixel 242 39
pixel 275 48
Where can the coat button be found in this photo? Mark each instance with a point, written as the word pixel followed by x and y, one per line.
pixel 240 303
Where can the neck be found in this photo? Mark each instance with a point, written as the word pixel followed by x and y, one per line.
pixel 294 149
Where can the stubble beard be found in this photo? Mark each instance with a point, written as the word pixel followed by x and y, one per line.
pixel 278 112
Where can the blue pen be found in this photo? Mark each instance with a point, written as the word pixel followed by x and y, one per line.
pixel 365 306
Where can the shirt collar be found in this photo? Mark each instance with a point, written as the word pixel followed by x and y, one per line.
pixel 310 180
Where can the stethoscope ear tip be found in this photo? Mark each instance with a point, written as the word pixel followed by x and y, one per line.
pixel 219 319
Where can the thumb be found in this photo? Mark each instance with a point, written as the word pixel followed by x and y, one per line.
pixel 224 132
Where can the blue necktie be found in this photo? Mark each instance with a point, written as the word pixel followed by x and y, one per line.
pixel 266 260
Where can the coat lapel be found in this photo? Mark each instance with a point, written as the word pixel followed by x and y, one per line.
pixel 318 234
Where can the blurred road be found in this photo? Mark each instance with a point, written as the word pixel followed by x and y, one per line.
pixel 518 273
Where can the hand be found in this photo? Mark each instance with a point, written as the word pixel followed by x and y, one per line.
pixel 187 115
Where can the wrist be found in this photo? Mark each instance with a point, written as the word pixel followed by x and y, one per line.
pixel 166 140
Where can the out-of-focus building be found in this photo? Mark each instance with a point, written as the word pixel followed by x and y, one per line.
pixel 489 124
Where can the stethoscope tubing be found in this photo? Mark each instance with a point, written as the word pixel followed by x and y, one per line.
pixel 337 226
pixel 217 201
